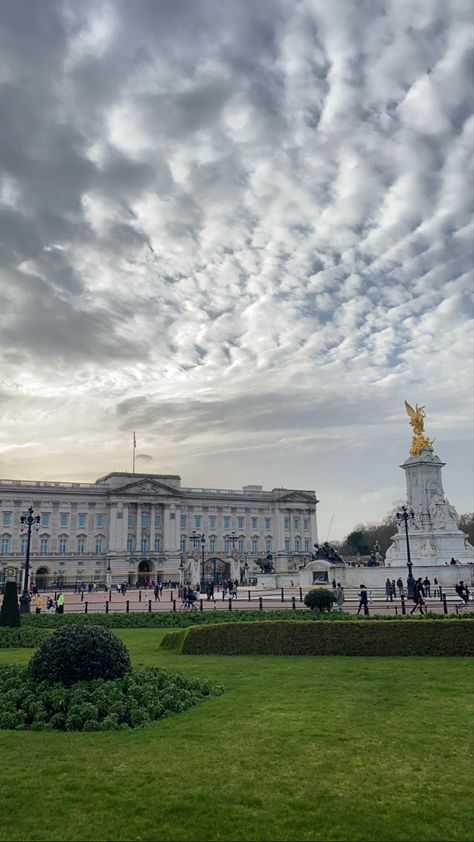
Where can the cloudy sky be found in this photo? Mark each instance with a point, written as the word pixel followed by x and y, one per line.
pixel 241 228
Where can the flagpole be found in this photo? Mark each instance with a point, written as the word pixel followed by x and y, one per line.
pixel 134 448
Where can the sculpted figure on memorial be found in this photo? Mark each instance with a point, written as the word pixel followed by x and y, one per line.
pixel 419 441
pixel 328 553
pixel 428 550
pixel 443 515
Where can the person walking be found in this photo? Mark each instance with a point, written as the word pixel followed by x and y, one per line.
pixel 388 588
pixel 339 596
pixel 427 586
pixel 60 604
pixel 363 600
pixel 418 596
pixel 39 604
pixel 462 591
pixel 156 591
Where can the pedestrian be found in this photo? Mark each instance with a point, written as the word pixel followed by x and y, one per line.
pixel 427 586
pixel 39 604
pixel 462 591
pixel 363 600
pixel 60 604
pixel 400 586
pixel 418 596
pixel 156 591
pixel 388 588
pixel 50 605
pixel 339 596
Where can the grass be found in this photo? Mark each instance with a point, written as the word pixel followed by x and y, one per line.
pixel 298 748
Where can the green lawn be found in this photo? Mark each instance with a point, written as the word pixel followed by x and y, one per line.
pixel 298 748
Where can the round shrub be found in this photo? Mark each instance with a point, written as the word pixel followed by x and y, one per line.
pixel 79 653
pixel 321 599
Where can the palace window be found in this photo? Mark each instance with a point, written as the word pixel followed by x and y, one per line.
pixel 43 546
pixel 45 518
pixel 143 545
pixel 212 522
pixel 129 544
pixel 297 523
pixel 82 520
pixel 24 545
pixel 157 520
pixel 197 521
pixel 306 545
pixel 63 519
pixel 226 545
pixel 5 546
pixel 241 545
pixel 130 520
pixel 255 545
pixel 254 523
pixel 99 520
pixel 287 545
pixel 305 523
pixel 268 523
pixel 212 545
pixel 226 522
pixel 144 521
pixel 297 545
pixel 182 521
pixel 98 546
pixel 81 545
pixel 287 523
pixel 268 545
pixel 7 518
pixel 157 545
pixel 182 545
pixel 240 523
pixel 62 545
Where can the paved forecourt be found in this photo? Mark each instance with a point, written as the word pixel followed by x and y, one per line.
pixel 247 599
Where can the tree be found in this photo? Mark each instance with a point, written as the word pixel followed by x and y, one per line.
pixel 466 524
pixel 10 612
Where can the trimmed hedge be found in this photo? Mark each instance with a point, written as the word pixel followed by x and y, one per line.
pixel 430 637
pixel 184 619
pixel 10 610
pixel 24 636
pixel 78 653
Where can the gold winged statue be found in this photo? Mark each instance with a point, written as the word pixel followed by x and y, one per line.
pixel 419 441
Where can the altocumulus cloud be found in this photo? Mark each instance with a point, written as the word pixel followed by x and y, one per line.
pixel 243 230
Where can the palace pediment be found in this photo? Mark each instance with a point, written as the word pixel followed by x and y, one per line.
pixel 298 497
pixel 148 486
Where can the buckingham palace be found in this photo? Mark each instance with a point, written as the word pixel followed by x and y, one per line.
pixel 130 526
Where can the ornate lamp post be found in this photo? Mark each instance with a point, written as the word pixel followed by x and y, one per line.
pixel 199 539
pixel 232 539
pixel 27 522
pixel 408 515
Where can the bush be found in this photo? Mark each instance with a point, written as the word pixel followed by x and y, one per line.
pixel 129 702
pixel 429 637
pixel 10 612
pixel 78 653
pixel 28 636
pixel 321 599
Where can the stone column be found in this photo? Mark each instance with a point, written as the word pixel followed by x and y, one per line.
pixel 138 528
pixel 279 531
pixel 152 527
pixel 314 530
pixel 166 528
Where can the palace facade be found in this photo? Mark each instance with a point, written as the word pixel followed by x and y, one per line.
pixel 128 526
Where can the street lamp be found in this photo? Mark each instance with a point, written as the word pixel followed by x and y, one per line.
pixel 27 521
pixel 232 539
pixel 408 515
pixel 199 539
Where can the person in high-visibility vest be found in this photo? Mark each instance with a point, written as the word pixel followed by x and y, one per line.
pixel 60 604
